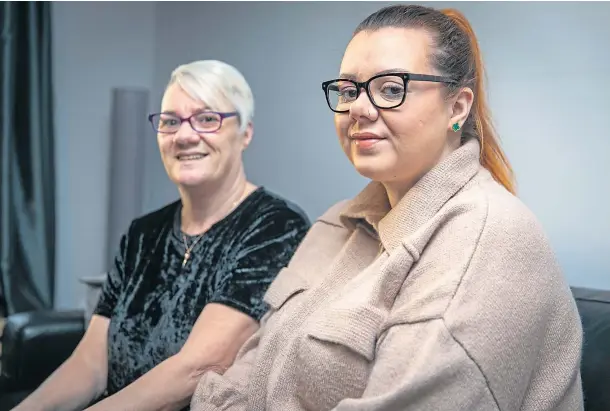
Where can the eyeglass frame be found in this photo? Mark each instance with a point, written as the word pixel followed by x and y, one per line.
pixel 222 116
pixel 406 77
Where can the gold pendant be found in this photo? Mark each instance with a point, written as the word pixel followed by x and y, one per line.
pixel 186 257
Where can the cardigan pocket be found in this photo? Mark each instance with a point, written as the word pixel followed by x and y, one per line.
pixel 336 354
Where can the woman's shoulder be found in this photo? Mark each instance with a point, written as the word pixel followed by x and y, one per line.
pixel 265 205
pixel 511 292
pixel 489 272
pixel 509 252
pixel 484 244
pixel 505 217
pixel 154 220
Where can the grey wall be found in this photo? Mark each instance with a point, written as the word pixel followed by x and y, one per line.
pixel 96 46
pixel 547 64
pixel 547 90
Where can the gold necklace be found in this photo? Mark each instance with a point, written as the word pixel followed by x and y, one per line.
pixel 187 253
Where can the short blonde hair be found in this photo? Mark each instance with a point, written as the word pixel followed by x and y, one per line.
pixel 215 82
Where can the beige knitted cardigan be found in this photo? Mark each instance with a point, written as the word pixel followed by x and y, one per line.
pixel 452 300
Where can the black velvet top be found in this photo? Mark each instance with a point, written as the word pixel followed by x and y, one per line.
pixel 153 302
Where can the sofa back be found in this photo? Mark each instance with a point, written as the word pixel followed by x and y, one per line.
pixel 594 309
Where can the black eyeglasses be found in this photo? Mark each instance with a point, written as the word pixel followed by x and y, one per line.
pixel 385 91
pixel 202 122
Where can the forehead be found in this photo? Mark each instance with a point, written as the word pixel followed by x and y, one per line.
pixel 371 52
pixel 177 100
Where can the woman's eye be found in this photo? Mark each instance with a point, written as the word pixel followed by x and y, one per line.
pixel 169 122
pixel 392 91
pixel 348 93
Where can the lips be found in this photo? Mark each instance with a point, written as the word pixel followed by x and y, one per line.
pixel 190 156
pixel 365 140
pixel 365 136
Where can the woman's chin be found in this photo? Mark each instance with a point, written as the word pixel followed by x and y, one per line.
pixel 190 180
pixel 370 170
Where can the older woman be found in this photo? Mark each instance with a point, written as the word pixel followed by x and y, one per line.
pixel 435 287
pixel 186 288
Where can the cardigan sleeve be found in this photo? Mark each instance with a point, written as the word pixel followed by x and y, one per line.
pixel 421 367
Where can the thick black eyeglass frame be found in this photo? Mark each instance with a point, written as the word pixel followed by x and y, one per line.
pixel 406 77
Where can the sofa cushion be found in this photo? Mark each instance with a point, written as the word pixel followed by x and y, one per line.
pixel 92 294
pixel 34 344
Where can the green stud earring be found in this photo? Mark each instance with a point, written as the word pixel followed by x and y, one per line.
pixel 456 127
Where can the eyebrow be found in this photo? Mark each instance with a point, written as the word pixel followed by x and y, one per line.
pixel 198 111
pixel 350 76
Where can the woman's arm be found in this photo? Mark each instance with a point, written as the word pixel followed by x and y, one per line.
pixel 83 377
pixel 421 367
pixel 229 389
pixel 80 379
pixel 217 336
pixel 426 366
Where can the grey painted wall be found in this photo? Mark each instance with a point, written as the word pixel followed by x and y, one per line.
pixel 547 91
pixel 96 46
pixel 547 64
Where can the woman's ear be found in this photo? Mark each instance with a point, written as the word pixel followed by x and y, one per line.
pixel 247 136
pixel 460 109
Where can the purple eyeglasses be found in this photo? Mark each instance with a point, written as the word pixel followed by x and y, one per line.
pixel 201 122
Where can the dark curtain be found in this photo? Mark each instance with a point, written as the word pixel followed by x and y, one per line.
pixel 27 225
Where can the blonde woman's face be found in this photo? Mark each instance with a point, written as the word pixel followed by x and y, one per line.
pixel 192 158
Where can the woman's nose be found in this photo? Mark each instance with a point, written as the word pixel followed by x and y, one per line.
pixel 363 107
pixel 186 134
